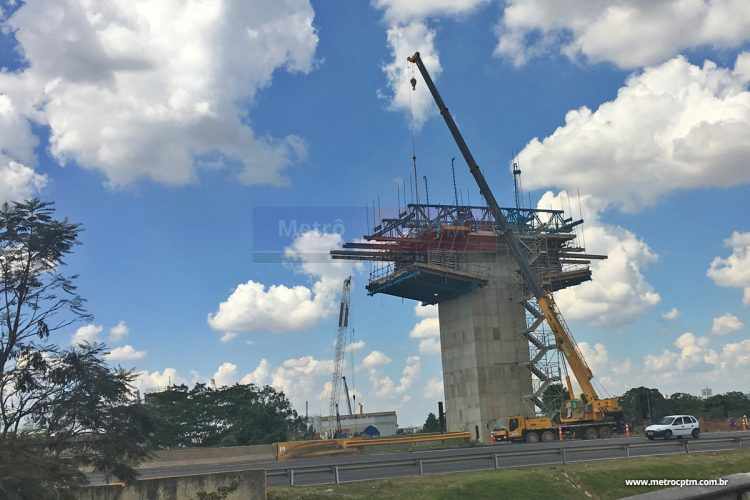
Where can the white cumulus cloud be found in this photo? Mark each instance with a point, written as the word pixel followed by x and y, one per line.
pixel 427 330
pixel 618 292
pixel 692 353
pixel 404 10
pixel 158 380
pixel 355 346
pixel 628 34
pixel 725 324
pixel 672 127
pixel 17 181
pixel 119 331
pixel 254 306
pixel 672 314
pixel 403 41
pixel 375 359
pixel 434 389
pixel 156 90
pixel 596 356
pixel 409 31
pixel 125 353
pixel 409 374
pixel 87 333
pixel 259 376
pixel 226 374
pixel 302 379
pixel 734 271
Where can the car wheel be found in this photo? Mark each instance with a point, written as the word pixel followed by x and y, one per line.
pixel 667 434
pixel 605 432
pixel 548 436
pixel 696 433
pixel 650 438
pixel 590 433
pixel 532 437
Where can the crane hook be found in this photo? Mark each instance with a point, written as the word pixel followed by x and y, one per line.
pixel 413 82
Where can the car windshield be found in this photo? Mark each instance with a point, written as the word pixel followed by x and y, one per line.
pixel 666 420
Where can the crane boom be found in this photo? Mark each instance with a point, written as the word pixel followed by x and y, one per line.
pixel 484 188
pixel 348 399
pixel 563 337
pixel 340 349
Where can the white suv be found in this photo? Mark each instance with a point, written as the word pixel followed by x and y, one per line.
pixel 674 426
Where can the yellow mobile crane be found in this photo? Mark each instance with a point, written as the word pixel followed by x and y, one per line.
pixel 590 416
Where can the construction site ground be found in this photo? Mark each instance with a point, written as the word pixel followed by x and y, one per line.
pixel 593 480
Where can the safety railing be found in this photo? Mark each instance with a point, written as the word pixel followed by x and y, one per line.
pixel 496 459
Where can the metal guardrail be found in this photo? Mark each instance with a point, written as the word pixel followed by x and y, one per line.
pixel 494 458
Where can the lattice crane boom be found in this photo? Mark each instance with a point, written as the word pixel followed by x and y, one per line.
pixel 340 350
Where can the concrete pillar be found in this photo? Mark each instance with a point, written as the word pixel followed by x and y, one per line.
pixel 483 349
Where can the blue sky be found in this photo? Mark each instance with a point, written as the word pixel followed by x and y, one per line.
pixel 178 153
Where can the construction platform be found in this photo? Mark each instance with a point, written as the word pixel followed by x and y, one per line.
pixel 496 360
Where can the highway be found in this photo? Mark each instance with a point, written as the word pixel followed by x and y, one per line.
pixel 357 467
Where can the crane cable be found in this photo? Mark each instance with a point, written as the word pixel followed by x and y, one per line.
pixel 413 82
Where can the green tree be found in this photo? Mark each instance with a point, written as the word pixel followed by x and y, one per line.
pixel 432 424
pixel 684 403
pixel 643 404
pixel 59 410
pixel 241 414
pixel 729 405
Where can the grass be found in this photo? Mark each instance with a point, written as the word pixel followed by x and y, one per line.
pixel 592 480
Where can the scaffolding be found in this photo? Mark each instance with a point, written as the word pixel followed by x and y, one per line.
pixel 423 254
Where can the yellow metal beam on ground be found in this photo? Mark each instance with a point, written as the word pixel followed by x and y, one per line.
pixel 297 449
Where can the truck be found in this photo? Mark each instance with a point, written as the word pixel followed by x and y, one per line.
pixel 589 416
pixel 545 429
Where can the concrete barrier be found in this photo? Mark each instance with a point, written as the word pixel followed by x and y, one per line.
pixel 197 456
pixel 245 485
pixel 737 488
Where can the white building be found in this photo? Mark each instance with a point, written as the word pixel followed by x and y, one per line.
pixel 373 424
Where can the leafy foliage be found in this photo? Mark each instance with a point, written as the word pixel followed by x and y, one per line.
pixel 643 404
pixel 220 494
pixel 225 416
pixel 729 405
pixel 59 409
pixel 432 424
pixel 683 403
pixel 32 295
pixel 29 473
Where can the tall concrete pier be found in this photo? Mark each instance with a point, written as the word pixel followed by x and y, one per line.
pixel 484 355
pixel 497 358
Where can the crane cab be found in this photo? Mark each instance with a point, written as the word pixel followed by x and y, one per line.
pixel 580 410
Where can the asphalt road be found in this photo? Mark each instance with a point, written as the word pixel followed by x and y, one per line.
pixel 379 466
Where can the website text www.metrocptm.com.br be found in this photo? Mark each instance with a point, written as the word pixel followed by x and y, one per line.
pixel 676 482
